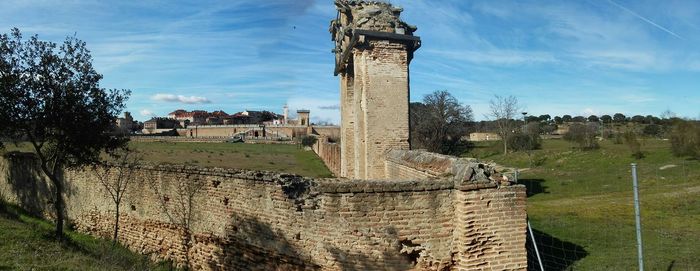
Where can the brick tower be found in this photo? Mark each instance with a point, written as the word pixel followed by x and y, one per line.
pixel 373 49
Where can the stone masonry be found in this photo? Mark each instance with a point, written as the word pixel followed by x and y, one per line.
pixel 251 220
pixel 373 51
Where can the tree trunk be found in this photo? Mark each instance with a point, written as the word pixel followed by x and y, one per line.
pixel 116 226
pixel 58 205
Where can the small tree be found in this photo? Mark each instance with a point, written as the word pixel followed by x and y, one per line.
pixel 566 118
pixel 50 96
pixel 583 135
pixel 558 120
pixel 606 118
pixel 115 176
pixel 503 110
pixel 580 119
pixel 619 118
pixel 638 119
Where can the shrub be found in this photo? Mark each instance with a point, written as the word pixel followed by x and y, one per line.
pixel 653 130
pixel 685 139
pixel 634 144
pixel 308 141
pixel 584 135
pixel 520 141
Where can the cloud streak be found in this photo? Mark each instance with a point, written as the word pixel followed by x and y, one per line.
pixel 161 97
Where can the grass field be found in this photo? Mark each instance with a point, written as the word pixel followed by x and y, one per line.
pixel 273 157
pixel 581 204
pixel 27 243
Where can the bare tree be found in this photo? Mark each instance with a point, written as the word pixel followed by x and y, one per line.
pixel 439 123
pixel 115 175
pixel 181 208
pixel 503 111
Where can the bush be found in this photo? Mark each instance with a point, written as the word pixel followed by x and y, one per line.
pixel 685 139
pixel 308 141
pixel 584 135
pixel 634 144
pixel 520 141
pixel 653 130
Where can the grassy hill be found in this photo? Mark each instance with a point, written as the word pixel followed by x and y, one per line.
pixel 27 243
pixel 581 204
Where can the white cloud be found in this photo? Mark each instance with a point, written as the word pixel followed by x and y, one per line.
pixel 147 113
pixel 180 98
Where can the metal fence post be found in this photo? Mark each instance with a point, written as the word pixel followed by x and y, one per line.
pixel 637 217
pixel 534 244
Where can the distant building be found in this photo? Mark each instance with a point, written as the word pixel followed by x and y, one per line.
pixel 126 123
pixel 484 137
pixel 303 117
pixel 156 125
pixel 195 117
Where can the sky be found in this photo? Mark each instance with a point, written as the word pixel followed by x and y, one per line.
pixel 557 57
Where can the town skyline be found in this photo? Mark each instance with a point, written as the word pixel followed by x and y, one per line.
pixel 557 58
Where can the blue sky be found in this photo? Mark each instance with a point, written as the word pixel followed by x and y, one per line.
pixel 557 57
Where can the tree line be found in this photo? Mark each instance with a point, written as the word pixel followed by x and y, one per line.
pixel 440 123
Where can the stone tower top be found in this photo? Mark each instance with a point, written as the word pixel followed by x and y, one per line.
pixel 358 20
pixel 371 15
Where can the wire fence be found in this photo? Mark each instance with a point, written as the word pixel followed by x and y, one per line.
pixel 581 223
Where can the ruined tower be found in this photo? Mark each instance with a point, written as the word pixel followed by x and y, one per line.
pixel 373 49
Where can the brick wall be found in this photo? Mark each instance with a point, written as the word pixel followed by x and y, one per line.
pixel 374 107
pixel 329 154
pixel 248 220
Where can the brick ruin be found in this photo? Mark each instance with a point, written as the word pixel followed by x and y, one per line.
pixel 392 209
pixel 468 217
pixel 373 49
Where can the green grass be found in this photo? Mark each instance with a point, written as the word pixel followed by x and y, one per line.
pixel 272 157
pixel 585 198
pixel 28 243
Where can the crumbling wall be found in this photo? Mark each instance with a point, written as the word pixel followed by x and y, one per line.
pixel 250 220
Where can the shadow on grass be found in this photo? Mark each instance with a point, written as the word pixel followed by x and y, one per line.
pixel 555 254
pixel 102 252
pixel 534 186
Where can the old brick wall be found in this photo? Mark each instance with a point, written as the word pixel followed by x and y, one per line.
pixel 329 153
pixel 490 228
pixel 246 220
pixel 374 108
